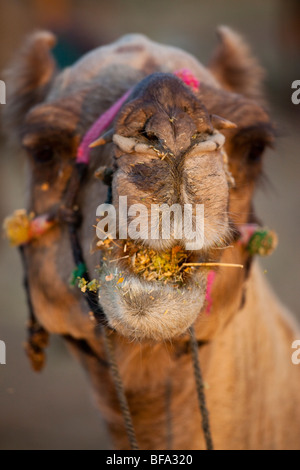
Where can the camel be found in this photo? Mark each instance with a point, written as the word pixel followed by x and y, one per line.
pixel 245 336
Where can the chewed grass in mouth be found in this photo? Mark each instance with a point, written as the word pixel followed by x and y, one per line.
pixel 129 258
pixel 165 267
pixel 147 294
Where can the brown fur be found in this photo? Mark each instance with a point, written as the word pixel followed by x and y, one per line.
pixel 251 383
pixel 235 66
pixel 30 76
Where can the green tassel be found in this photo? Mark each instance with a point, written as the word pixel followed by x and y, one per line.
pixel 91 286
pixel 263 242
pixel 78 272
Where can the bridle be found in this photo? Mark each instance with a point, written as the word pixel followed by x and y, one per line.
pixel 68 213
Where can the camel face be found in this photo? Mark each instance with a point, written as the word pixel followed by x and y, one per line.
pixel 171 146
pixel 167 153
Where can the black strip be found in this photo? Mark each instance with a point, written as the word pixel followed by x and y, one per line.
pixel 26 284
pixel 38 337
pixel 83 346
pixel 90 297
pixel 73 224
pixel 109 196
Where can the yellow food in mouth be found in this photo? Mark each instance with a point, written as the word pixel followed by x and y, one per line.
pixel 151 265
pixel 165 266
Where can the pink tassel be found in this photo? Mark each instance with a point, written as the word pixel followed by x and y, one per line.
pixel 246 231
pixel 208 299
pixel 102 123
pixel 188 78
pixel 40 225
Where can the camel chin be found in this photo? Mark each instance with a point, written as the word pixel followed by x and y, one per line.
pixel 150 310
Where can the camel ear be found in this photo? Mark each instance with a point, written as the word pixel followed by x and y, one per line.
pixel 235 67
pixel 28 78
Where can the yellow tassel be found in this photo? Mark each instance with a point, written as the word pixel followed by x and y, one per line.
pixel 17 227
pixel 21 227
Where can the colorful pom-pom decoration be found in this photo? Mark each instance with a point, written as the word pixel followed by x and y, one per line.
pixel 263 242
pixel 20 228
pixel 188 78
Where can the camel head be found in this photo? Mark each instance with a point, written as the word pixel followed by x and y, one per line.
pixel 171 146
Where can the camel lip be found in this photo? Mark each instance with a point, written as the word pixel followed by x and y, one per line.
pixel 143 309
pixel 158 308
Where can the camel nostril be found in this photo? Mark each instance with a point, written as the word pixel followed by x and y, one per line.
pixel 152 138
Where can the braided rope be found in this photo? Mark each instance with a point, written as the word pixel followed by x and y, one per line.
pixel 200 390
pixel 109 346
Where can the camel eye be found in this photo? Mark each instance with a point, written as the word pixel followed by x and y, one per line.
pixel 43 154
pixel 255 152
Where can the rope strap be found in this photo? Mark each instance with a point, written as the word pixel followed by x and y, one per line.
pixel 109 346
pixel 200 390
pixel 38 337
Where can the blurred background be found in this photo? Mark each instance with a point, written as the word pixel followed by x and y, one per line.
pixel 53 410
